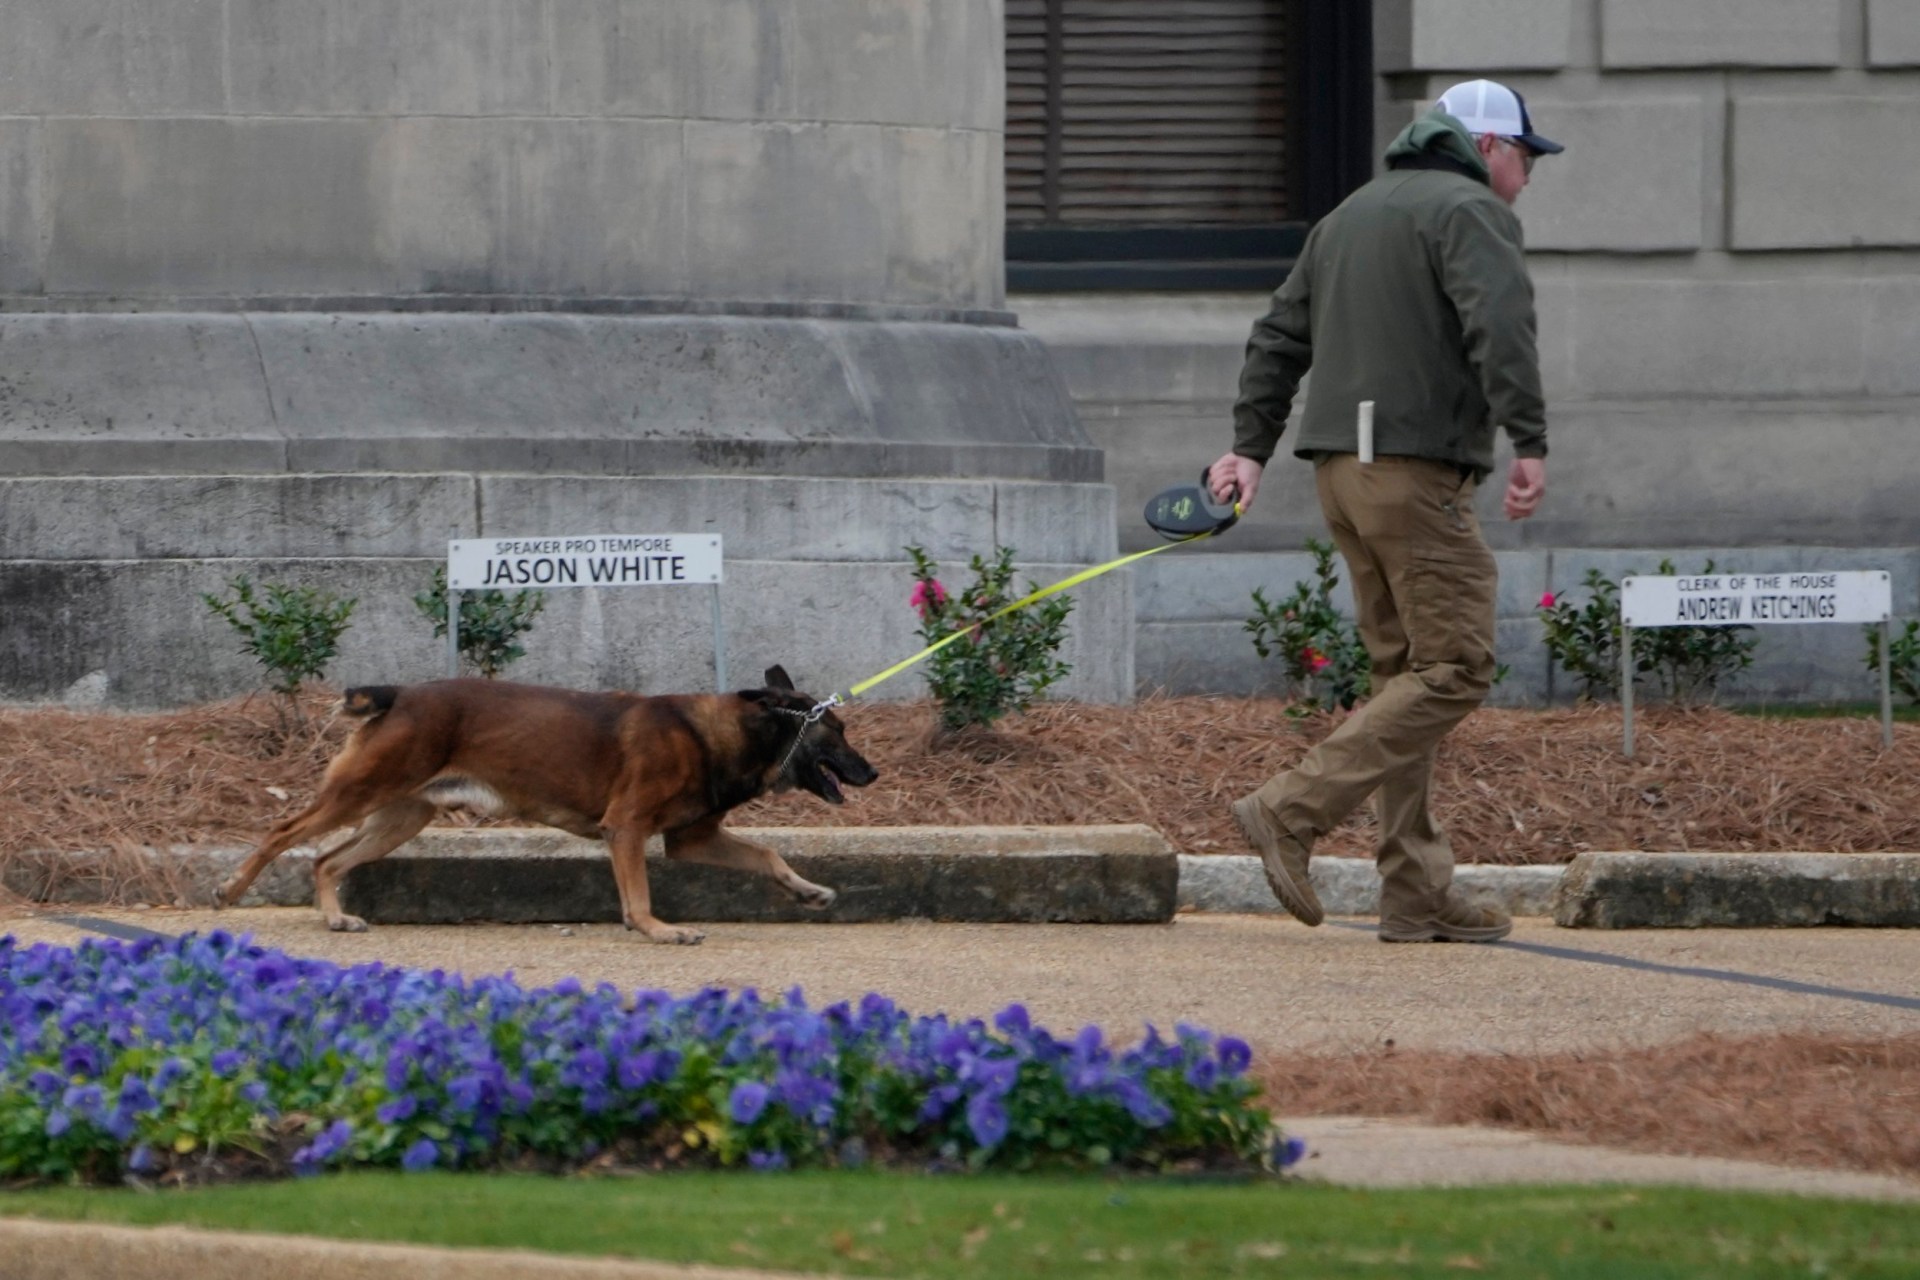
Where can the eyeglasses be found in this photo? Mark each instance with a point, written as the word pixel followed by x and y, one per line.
pixel 1526 154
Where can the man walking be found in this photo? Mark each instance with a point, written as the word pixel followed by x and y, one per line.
pixel 1414 295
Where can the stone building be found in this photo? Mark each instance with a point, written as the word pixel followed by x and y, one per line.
pixel 304 288
pixel 1727 263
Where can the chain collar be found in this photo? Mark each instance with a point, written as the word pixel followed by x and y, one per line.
pixel 808 719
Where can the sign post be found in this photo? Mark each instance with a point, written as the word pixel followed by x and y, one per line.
pixel 1755 599
pixel 1886 682
pixel 453 633
pixel 585 560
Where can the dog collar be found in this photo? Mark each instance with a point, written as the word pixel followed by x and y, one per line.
pixel 807 718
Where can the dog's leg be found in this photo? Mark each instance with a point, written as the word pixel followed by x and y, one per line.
pixel 628 845
pixel 709 842
pixel 329 812
pixel 383 831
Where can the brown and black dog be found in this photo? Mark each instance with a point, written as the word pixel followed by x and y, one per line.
pixel 617 767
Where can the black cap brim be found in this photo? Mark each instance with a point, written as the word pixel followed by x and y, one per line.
pixel 1534 142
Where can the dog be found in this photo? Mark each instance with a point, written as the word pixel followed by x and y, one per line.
pixel 617 767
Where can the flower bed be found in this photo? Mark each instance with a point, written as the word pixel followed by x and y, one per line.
pixel 1509 786
pixel 209 1057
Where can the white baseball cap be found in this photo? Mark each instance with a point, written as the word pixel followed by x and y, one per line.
pixel 1486 106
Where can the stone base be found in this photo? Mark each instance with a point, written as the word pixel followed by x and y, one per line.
pixel 135 634
pixel 146 460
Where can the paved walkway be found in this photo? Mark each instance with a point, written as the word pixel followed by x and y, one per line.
pixel 1266 979
pixel 1355 1151
pixel 1270 981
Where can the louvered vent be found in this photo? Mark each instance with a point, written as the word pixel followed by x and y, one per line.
pixel 1146 113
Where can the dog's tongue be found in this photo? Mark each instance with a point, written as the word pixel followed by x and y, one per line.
pixel 830 782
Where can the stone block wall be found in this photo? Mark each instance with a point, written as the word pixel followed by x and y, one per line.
pixel 1636 34
pixel 836 150
pixel 105 575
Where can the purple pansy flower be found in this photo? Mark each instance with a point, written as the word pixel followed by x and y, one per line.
pixel 748 1100
pixel 987 1119
pixel 93 1039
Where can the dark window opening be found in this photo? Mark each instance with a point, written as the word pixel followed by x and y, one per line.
pixel 1179 143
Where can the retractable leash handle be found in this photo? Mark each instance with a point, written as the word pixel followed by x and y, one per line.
pixel 1189 511
pixel 1233 499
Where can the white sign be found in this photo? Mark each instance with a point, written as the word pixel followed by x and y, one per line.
pixel 1748 599
pixel 584 560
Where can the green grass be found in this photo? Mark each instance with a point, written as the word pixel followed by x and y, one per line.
pixel 1008 1228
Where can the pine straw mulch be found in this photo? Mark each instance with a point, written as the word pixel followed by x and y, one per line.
pixel 1510 786
pixel 1801 1100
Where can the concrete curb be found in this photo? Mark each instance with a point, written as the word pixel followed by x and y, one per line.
pixel 1738 890
pixel 1235 883
pixel 1120 874
pixel 36 1249
pixel 999 875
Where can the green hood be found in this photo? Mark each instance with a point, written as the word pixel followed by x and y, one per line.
pixel 1439 132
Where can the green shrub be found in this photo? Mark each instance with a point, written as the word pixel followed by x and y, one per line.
pixel 491 622
pixel 294 632
pixel 1686 663
pixel 1325 661
pixel 1002 665
pixel 1903 659
pixel 1585 642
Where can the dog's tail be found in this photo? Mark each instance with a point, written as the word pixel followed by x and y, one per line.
pixel 369 700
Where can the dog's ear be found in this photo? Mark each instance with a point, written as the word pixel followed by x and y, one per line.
pixel 751 695
pixel 777 678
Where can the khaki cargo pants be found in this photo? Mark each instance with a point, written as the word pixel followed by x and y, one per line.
pixel 1423 585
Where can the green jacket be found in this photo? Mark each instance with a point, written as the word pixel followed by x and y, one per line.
pixel 1412 294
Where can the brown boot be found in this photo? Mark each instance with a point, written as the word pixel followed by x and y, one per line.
pixel 1455 921
pixel 1284 858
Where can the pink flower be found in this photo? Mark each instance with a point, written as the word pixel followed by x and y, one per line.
pixel 1316 661
pixel 1546 601
pixel 928 596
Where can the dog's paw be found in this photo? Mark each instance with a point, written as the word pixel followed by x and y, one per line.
pixel 668 934
pixel 814 897
pixel 346 924
pixel 674 935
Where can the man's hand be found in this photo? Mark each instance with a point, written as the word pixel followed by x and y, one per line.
pixel 1231 472
pixel 1526 485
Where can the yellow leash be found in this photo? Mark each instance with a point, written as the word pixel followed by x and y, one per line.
pixel 1078 578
